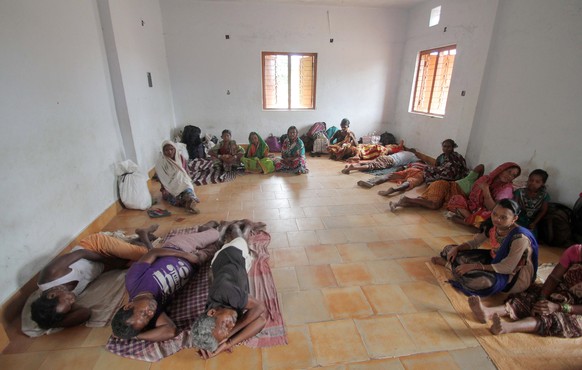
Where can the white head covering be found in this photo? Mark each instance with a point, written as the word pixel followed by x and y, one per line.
pixel 171 173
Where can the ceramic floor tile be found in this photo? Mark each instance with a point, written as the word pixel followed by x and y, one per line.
pixel 278 240
pixel 316 211
pixel 265 204
pixel 288 257
pixel 387 299
pixel 265 215
pixel 388 271
pixel 384 336
pixel 323 254
pixel 97 336
pixel 250 357
pixel 293 212
pixel 74 359
pixel 346 302
pixel 298 354
pixel 108 361
pixel 285 279
pixel 355 252
pixel 331 236
pixel 415 231
pixel 385 364
pixel 315 277
pixel 331 341
pixel 361 234
pixel 350 274
pixel 70 338
pixel 472 358
pixel 431 332
pixel 460 327
pixel 310 223
pixel 416 268
pixel 29 361
pixel 386 233
pixel 425 297
pixel 430 361
pixel 282 226
pixel 304 307
pixel 186 359
pixel 304 238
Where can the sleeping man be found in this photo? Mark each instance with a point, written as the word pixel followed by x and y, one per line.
pixel 232 315
pixel 155 278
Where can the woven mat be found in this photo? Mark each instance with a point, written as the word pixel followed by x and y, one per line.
pixel 515 350
pixel 202 172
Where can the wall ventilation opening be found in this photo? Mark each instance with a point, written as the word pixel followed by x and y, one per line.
pixel 435 16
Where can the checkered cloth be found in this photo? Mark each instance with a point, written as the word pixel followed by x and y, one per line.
pixel 190 302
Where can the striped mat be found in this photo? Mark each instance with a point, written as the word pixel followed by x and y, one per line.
pixel 203 173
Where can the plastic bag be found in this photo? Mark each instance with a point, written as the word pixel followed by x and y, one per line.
pixel 133 186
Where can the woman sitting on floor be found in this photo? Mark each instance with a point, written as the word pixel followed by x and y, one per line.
pixel 177 187
pixel 226 155
pixel 343 142
pixel 450 165
pixel 486 191
pixel 292 154
pixel 551 309
pixel 510 266
pixel 256 159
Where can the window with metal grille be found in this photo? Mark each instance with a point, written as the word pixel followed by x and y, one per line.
pixel 433 79
pixel 289 80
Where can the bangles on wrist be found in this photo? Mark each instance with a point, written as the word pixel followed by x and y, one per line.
pixel 566 308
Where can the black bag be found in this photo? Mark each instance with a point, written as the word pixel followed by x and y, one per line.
pixel 191 137
pixel 387 138
pixel 577 220
pixel 555 228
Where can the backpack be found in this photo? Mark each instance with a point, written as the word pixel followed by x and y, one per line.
pixel 555 228
pixel 194 144
pixel 273 144
pixel 387 138
pixel 315 128
pixel 320 143
pixel 577 220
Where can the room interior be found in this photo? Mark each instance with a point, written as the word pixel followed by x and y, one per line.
pixel 75 101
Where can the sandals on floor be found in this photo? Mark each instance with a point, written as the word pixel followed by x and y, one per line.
pixel 158 212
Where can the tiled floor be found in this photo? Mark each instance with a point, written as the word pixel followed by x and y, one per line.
pixel 351 277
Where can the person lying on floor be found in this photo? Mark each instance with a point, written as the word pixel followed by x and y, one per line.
pixel 232 315
pixel 401 158
pixel 551 309
pixel 67 276
pixel 156 277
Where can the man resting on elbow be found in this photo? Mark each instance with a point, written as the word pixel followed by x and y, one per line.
pixel 231 316
pixel 155 278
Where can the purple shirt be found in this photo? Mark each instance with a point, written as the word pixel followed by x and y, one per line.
pixel 162 278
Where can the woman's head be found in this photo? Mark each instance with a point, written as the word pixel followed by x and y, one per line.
pixel 292 133
pixel 345 124
pixel 226 135
pixel 449 146
pixel 509 174
pixel 254 138
pixel 505 213
pixel 169 150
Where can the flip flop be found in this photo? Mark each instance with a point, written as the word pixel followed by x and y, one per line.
pixel 157 213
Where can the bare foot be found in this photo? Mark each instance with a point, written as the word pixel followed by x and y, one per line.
pixel 144 235
pixel 365 184
pixel 479 311
pixel 498 325
pixel 192 207
pixel 438 260
pixel 392 206
pixel 385 193
pixel 346 170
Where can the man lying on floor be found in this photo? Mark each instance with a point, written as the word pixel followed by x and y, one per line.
pixel 67 276
pixel 232 315
pixel 156 277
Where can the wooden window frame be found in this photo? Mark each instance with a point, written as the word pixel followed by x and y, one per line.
pixel 419 74
pixel 289 82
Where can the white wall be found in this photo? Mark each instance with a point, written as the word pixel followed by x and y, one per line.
pixel 59 139
pixel 530 109
pixel 357 74
pixel 469 25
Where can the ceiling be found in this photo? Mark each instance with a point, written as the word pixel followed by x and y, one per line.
pixel 355 3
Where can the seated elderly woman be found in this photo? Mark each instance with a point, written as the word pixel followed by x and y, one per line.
pixel 343 142
pixel 256 158
pixel 227 154
pixel 401 158
pixel 177 187
pixel 65 277
pixel 292 154
pixel 551 309
pixel 510 266
pixel 232 315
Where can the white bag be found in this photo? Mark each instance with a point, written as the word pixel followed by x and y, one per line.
pixel 133 186
pixel 321 143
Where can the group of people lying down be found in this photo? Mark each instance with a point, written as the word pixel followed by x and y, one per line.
pixel 155 275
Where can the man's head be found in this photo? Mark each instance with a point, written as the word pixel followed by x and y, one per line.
pixel 44 312
pixel 213 328
pixel 133 317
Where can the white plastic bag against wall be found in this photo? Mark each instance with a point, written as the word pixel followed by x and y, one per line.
pixel 133 186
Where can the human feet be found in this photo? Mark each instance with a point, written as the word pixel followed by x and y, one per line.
pixel 147 235
pixel 385 193
pixel 498 326
pixel 365 184
pixel 347 169
pixel 479 311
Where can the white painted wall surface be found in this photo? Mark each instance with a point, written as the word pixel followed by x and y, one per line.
pixel 530 109
pixel 469 25
pixel 59 139
pixel 357 74
pixel 140 49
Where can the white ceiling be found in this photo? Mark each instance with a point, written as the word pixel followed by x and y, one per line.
pixel 357 3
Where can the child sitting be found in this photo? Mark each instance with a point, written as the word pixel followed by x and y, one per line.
pixel 234 149
pixel 533 200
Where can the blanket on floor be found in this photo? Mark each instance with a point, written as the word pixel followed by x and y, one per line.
pixel 515 350
pixel 203 173
pixel 190 302
pixel 382 172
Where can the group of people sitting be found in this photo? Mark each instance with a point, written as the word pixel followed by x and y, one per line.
pixel 155 275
